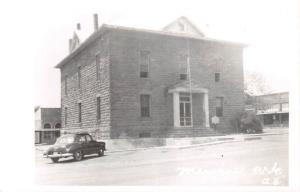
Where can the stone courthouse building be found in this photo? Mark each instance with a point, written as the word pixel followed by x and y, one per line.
pixel 127 82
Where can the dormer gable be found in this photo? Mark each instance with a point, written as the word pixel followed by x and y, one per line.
pixel 183 25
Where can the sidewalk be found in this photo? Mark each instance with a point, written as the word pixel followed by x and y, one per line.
pixel 119 145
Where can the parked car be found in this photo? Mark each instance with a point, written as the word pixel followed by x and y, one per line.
pixel 74 145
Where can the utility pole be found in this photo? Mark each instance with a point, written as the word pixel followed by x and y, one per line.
pixel 190 79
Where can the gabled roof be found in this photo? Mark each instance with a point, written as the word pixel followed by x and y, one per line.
pixel 173 27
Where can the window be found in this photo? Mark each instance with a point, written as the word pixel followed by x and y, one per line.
pixel 88 138
pixel 181 26
pixel 144 64
pixel 66 85
pixel 57 125
pixel 219 106
pixel 145 105
pixel 47 135
pixel 285 107
pixel 79 77
pixel 217 77
pixel 183 70
pixel 144 134
pixel 80 139
pixel 185 109
pixel 47 126
pixel 79 112
pixel 98 108
pixel 66 115
pixel 98 66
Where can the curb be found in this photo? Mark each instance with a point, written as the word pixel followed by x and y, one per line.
pixel 219 140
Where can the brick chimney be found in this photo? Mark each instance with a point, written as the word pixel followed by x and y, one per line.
pixel 95 22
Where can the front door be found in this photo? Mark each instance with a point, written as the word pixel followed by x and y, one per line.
pixel 185 109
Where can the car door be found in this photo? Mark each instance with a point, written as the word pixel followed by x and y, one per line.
pixel 83 144
pixel 91 145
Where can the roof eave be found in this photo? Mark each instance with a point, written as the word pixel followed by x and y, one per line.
pixel 91 38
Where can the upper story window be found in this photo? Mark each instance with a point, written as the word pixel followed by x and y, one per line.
pixel 217 77
pixel 145 105
pixel 57 125
pixel 79 77
pixel 66 85
pixel 144 64
pixel 79 112
pixel 219 106
pixel 181 26
pixel 98 108
pixel 98 66
pixel 66 115
pixel 47 126
pixel 183 67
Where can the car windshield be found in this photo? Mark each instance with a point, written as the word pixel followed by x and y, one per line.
pixel 65 139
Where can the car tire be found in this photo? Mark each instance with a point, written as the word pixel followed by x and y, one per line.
pixel 78 156
pixel 101 152
pixel 55 159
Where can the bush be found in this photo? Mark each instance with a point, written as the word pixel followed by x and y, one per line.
pixel 246 122
pixel 250 123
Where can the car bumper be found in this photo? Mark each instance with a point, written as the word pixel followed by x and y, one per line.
pixel 58 155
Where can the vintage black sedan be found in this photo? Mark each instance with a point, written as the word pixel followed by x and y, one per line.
pixel 74 145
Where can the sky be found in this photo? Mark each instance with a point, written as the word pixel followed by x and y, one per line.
pixel 268 26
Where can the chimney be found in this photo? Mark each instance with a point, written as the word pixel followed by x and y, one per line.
pixel 78 26
pixel 95 22
pixel 70 45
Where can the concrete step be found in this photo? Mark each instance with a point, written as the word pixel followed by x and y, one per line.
pixel 192 132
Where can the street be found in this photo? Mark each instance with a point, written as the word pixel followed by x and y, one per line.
pixel 253 162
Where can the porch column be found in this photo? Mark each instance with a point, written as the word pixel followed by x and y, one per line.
pixel 176 109
pixel 206 109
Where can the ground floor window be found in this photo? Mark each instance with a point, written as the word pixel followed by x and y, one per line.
pixel 47 135
pixel 145 105
pixel 219 106
pixel 185 109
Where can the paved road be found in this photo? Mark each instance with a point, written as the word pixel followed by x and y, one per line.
pixel 254 162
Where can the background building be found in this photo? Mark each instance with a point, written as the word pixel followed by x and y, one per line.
pixel 47 124
pixel 273 109
pixel 127 82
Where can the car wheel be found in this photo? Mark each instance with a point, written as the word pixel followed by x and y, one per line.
pixel 78 155
pixel 55 160
pixel 101 152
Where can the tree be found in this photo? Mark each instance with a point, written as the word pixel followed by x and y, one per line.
pixel 256 84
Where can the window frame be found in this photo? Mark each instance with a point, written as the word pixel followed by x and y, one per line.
pixel 66 85
pixel 79 104
pixel 98 61
pixel 220 109
pixel 47 127
pixel 142 73
pixel 217 77
pixel 144 114
pixel 183 65
pixel 79 77
pixel 66 116
pixel 98 103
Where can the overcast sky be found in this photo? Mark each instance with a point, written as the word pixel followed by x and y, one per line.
pixel 267 25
